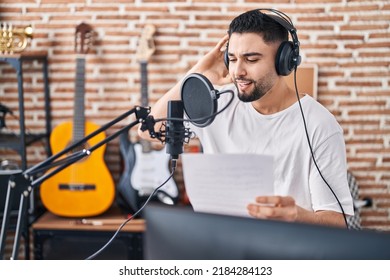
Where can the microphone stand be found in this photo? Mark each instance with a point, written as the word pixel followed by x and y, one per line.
pixel 23 183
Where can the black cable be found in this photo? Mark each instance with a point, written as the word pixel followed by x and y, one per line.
pixel 203 118
pixel 173 168
pixel 311 149
pixel 134 215
pixel 149 122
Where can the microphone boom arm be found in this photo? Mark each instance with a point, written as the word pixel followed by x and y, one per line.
pixel 23 182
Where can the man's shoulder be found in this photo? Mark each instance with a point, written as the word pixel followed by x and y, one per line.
pixel 320 118
pixel 314 107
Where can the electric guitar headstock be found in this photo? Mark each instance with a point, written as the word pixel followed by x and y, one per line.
pixel 83 38
pixel 146 46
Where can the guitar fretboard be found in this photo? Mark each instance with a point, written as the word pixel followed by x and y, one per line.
pixel 146 145
pixel 144 83
pixel 79 103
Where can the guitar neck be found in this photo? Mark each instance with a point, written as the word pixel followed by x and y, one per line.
pixel 144 84
pixel 79 103
pixel 146 145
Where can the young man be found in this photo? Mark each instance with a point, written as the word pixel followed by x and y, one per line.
pixel 265 118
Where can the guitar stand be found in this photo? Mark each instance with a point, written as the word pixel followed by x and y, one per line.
pixel 23 183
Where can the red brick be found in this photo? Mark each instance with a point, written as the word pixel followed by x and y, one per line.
pixel 350 47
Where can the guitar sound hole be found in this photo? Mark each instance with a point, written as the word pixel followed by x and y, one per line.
pixel 79 148
pixel 77 187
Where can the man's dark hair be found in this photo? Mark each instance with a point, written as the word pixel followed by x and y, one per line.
pixel 256 22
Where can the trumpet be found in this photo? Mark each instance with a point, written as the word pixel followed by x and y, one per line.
pixel 14 40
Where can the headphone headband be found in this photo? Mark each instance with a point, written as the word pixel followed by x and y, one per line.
pixel 285 21
pixel 287 57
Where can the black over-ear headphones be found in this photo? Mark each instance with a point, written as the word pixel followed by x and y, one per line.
pixel 287 56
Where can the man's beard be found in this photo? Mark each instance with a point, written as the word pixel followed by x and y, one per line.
pixel 261 87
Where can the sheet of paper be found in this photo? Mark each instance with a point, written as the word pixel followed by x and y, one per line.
pixel 226 183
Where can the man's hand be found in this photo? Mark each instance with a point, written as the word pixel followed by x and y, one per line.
pixel 212 65
pixel 284 208
pixel 274 207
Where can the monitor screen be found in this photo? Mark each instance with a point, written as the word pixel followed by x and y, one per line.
pixel 179 233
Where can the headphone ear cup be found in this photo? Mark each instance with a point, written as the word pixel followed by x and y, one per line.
pixel 284 63
pixel 226 58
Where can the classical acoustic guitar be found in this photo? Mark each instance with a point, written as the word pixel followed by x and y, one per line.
pixel 144 168
pixel 85 188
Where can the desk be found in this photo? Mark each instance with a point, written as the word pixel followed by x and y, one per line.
pixel 69 238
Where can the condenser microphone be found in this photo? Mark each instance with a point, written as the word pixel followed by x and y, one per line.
pixel 175 130
pixel 200 99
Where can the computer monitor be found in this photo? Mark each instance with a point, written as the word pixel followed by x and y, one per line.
pixel 177 233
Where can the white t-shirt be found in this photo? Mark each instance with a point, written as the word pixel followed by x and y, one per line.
pixel 241 129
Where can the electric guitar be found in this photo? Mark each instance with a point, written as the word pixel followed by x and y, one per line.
pixel 86 187
pixel 144 168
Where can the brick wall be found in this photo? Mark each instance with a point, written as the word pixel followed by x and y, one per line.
pixel 348 39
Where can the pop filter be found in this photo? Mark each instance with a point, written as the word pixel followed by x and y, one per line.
pixel 199 99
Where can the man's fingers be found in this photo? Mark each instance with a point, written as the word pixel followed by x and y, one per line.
pixel 264 212
pixel 221 45
pixel 276 201
pixel 273 207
